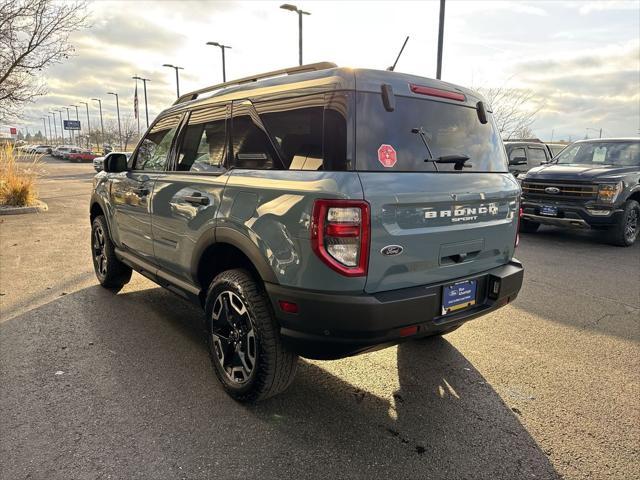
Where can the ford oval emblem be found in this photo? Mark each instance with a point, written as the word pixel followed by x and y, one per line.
pixel 391 250
pixel 553 190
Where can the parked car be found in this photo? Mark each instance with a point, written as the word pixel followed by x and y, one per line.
pixel 315 211
pixel 59 151
pixel 591 184
pixel 81 155
pixel 41 149
pixel 71 150
pixel 524 155
pixel 98 162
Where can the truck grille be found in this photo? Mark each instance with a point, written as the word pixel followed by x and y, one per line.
pixel 573 191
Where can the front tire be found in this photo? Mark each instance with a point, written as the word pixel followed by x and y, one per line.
pixel 527 226
pixel 625 232
pixel 111 272
pixel 244 339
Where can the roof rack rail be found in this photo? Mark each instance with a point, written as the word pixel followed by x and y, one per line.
pixel 254 78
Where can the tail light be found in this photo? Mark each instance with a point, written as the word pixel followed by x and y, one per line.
pixel 518 227
pixel 340 235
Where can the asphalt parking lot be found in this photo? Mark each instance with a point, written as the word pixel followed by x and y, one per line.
pixel 97 385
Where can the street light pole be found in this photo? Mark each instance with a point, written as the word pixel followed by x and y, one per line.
pixel 101 122
pixel 118 110
pixel 440 40
pixel 55 129
pixel 222 47
pixel 77 119
pixel 73 135
pixel 61 126
pixel 54 138
pixel 44 123
pixel 144 85
pixel 176 68
pixel 595 130
pixel 293 8
pixel 88 125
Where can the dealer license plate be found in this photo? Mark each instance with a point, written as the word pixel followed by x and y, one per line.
pixel 549 211
pixel 458 296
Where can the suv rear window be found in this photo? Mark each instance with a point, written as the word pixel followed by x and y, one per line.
pixel 450 130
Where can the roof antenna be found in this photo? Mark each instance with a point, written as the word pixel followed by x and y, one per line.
pixel 393 67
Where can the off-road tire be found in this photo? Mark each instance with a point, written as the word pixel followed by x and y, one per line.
pixel 527 226
pixel 625 232
pixel 274 367
pixel 113 274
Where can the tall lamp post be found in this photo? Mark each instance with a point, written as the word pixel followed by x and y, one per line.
pixel 144 85
pixel 101 122
pixel 61 125
pixel 44 123
pixel 88 125
pixel 222 47
pixel 77 119
pixel 118 110
pixel 73 136
pixel 176 68
pixel 54 138
pixel 595 130
pixel 293 8
pixel 55 129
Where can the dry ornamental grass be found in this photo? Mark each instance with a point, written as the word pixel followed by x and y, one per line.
pixel 17 183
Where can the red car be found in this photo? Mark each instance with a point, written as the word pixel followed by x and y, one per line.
pixel 80 156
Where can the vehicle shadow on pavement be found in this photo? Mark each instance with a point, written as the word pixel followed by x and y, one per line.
pixel 444 421
pixel 96 384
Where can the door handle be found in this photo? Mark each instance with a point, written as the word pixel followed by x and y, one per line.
pixel 197 199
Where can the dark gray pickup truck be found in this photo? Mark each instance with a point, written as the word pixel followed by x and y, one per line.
pixel 591 184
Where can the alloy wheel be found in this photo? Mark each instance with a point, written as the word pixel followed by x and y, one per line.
pixel 233 337
pixel 631 226
pixel 99 254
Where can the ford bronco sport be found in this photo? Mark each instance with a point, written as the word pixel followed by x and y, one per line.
pixel 315 211
pixel 592 184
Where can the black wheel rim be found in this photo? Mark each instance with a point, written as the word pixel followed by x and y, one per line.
pixel 99 256
pixel 631 226
pixel 233 337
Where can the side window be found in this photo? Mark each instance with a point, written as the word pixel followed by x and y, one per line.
pixel 515 153
pixel 204 145
pixel 154 150
pixel 537 156
pixel 252 148
pixel 297 130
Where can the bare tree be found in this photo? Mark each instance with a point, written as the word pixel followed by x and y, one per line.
pixel 514 110
pixel 34 34
pixel 129 129
pixel 129 132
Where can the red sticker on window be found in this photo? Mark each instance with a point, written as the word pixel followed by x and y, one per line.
pixel 387 155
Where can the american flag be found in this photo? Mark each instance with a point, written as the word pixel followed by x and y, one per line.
pixel 135 101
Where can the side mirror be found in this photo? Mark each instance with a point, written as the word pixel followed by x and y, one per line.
pixel 116 163
pixel 518 161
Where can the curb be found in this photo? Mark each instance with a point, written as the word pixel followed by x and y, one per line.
pixel 38 208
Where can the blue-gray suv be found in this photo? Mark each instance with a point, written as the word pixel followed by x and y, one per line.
pixel 314 211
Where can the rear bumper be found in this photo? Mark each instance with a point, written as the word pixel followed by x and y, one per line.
pixel 572 215
pixel 333 325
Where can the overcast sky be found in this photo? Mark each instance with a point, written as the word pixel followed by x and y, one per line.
pixel 581 58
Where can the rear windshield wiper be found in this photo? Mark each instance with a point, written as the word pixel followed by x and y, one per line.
pixel 458 160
